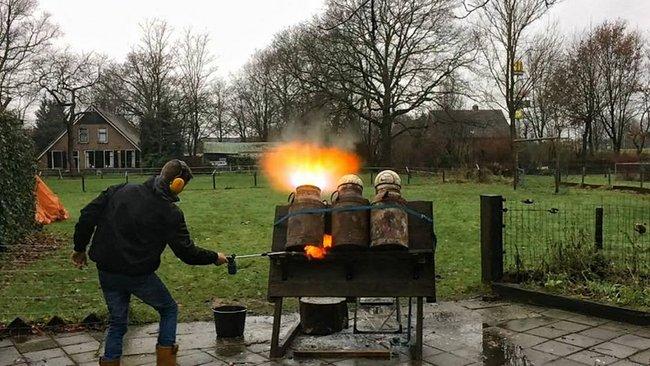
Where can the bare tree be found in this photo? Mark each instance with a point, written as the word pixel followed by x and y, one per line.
pixel 619 58
pixel 217 109
pixel 196 75
pixel 542 62
pixel 25 35
pixel 640 129
pixel 503 28
pixel 68 78
pixel 381 59
pixel 145 82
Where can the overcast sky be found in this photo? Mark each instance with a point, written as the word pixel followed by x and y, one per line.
pixel 238 27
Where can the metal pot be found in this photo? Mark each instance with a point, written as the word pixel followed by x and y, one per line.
pixel 350 229
pixel 305 228
pixel 388 225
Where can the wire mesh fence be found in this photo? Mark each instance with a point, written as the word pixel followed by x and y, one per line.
pixel 544 237
pixel 236 177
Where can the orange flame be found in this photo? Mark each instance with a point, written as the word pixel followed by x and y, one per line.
pixel 316 252
pixel 300 163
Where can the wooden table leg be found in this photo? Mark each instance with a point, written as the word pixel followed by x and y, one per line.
pixel 275 334
pixel 417 347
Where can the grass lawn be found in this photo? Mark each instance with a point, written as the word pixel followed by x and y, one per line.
pixel 237 218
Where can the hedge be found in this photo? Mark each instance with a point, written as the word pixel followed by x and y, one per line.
pixel 17 166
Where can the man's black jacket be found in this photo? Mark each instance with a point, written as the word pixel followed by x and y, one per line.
pixel 132 224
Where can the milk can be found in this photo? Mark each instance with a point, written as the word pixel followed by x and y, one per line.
pixel 350 228
pixel 388 220
pixel 305 228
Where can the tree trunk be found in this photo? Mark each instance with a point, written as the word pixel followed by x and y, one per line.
pixel 69 155
pixel 386 142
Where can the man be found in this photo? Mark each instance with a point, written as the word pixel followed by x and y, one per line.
pixel 132 224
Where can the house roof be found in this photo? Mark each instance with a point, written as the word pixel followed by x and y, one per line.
pixel 236 148
pixel 124 127
pixel 127 128
pixel 478 122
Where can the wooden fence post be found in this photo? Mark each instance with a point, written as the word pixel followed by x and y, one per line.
pixel 609 177
pixel 491 238
pixel 83 183
pixel 126 176
pixel 598 232
pixel 255 178
pixel 214 180
pixel 584 171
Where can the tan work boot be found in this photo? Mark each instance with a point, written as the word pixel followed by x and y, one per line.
pixel 166 355
pixel 103 362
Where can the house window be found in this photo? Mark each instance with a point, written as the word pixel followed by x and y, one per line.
pixel 90 159
pixel 108 159
pixel 83 135
pixel 57 160
pixel 102 135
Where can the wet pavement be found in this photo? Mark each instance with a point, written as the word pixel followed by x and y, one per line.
pixel 468 332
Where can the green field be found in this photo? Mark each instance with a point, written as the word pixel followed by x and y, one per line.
pixel 237 218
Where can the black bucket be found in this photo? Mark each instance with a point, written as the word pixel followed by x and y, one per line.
pixel 229 320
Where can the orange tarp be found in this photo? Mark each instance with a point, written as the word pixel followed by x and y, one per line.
pixel 48 206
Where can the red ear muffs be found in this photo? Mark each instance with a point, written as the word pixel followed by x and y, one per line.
pixel 177 185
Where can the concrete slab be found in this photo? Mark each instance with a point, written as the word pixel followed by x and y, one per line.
pixel 9 356
pixel 470 332
pixel 614 349
pixel 592 358
pixel 633 341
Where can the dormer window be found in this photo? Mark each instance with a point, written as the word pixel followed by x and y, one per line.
pixel 102 135
pixel 83 135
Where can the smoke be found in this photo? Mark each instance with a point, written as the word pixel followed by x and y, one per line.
pixel 316 128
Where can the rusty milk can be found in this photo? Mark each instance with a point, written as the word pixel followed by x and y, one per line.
pixel 388 225
pixel 305 228
pixel 350 229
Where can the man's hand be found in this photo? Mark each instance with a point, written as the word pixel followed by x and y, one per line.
pixel 79 259
pixel 221 259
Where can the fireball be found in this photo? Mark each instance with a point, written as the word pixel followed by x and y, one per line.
pixel 303 163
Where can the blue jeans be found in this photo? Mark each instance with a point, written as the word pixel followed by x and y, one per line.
pixel 149 288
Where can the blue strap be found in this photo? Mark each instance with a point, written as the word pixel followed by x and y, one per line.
pixel 354 208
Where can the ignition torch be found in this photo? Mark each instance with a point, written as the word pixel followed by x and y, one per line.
pixel 232 264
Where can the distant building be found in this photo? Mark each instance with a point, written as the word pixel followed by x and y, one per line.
pixel 453 137
pixel 101 140
pixel 232 152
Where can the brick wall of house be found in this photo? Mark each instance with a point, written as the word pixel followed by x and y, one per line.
pixel 116 142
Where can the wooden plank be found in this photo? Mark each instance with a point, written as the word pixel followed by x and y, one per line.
pixel 421 234
pixel 280 230
pixel 521 294
pixel 360 353
pixel 370 274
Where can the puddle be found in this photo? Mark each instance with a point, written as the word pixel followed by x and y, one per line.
pixel 230 347
pixel 498 350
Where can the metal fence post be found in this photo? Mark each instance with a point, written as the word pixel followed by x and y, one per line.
pixel 443 176
pixel 584 171
pixel 408 176
pixel 126 176
pixel 83 183
pixel 214 180
pixel 598 232
pixel 491 238
pixel 372 173
pixel 255 178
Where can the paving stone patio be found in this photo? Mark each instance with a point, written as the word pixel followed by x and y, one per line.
pixel 470 332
